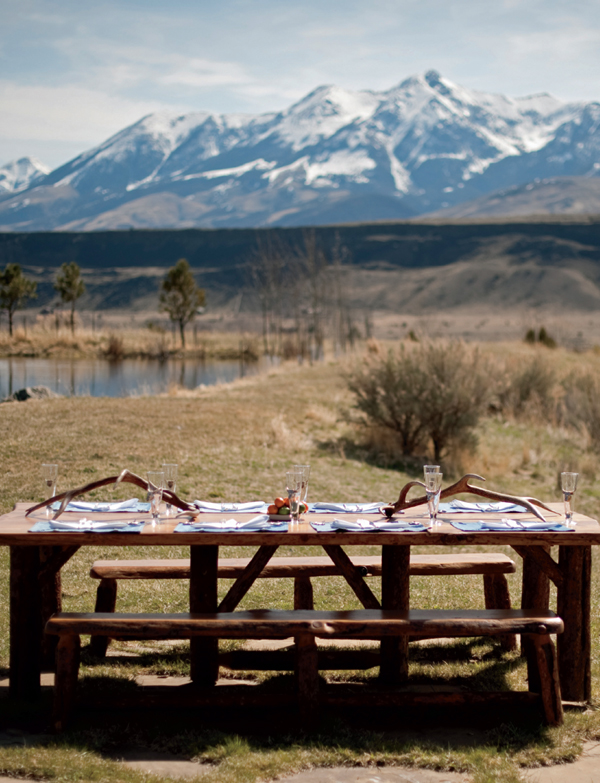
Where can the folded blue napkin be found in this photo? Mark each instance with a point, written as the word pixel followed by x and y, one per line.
pixel 88 526
pixel 461 506
pixel 134 505
pixel 351 508
pixel 509 525
pixel 261 522
pixel 367 525
pixel 258 506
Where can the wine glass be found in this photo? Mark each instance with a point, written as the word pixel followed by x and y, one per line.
pixel 433 488
pixel 430 469
pixel 293 484
pixel 170 471
pixel 49 474
pixel 156 483
pixel 305 471
pixel 568 483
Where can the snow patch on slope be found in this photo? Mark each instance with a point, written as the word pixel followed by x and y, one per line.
pixel 21 174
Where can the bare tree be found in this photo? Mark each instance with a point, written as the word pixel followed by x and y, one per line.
pixel 267 272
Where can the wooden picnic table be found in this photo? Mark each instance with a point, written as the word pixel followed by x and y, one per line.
pixel 36 560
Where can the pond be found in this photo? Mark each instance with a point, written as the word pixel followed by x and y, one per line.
pixel 101 378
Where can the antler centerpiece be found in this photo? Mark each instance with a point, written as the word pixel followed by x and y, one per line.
pixel 125 476
pixel 463 485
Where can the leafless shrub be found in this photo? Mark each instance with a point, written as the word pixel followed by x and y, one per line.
pixel 529 391
pixel 581 405
pixel 432 394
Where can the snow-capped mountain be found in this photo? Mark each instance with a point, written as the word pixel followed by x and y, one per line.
pixel 21 174
pixel 335 156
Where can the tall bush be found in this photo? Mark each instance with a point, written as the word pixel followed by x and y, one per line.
pixel 581 405
pixel 527 391
pixel 432 393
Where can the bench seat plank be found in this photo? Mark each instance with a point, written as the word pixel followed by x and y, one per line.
pixel 277 624
pixel 282 567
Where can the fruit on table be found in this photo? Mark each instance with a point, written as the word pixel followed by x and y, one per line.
pixel 281 506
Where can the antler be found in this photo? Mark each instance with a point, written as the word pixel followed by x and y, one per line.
pixel 126 476
pixel 462 485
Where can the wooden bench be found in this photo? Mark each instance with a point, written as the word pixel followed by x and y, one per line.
pixel 492 566
pixel 308 625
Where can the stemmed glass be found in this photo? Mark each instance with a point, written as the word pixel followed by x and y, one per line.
pixel 305 471
pixel 170 471
pixel 430 469
pixel 433 488
pixel 293 483
pixel 568 483
pixel 49 474
pixel 156 483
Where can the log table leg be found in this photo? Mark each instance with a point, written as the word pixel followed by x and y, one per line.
pixel 395 594
pixel 51 598
pixel 204 652
pixel 26 627
pixel 535 595
pixel 573 605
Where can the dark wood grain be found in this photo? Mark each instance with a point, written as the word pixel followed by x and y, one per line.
pixel 26 624
pixel 548 679
pixel 276 624
pixel 204 653
pixel 573 600
pixel 106 601
pixel 395 595
pixel 541 556
pixel 65 680
pixel 535 595
pixel 497 596
pixel 288 567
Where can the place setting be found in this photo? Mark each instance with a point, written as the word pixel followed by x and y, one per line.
pixel 510 524
pixel 156 483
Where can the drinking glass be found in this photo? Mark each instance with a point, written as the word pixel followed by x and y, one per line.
pixel 49 474
pixel 568 483
pixel 430 469
pixel 433 487
pixel 293 484
pixel 305 471
pixel 170 471
pixel 156 483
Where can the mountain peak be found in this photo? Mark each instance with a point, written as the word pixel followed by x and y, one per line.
pixel 334 155
pixel 433 78
pixel 21 174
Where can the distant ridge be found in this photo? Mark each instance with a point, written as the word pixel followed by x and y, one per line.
pixel 559 196
pixel 335 156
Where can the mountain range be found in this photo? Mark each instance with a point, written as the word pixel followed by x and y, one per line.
pixel 425 146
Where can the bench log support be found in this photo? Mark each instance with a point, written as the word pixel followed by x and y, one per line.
pixel 306 627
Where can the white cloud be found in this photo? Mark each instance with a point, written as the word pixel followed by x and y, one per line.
pixel 67 113
pixel 197 72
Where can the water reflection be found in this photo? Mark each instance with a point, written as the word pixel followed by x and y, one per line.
pixel 101 378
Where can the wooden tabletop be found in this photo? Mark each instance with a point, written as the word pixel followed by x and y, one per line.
pixel 14 528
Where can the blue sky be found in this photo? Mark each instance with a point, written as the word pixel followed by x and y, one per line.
pixel 74 72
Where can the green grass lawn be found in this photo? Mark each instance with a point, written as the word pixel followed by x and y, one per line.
pixel 233 443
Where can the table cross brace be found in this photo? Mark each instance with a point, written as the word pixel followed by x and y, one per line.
pixel 544 560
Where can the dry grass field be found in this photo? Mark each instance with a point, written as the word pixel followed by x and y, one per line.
pixel 234 442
